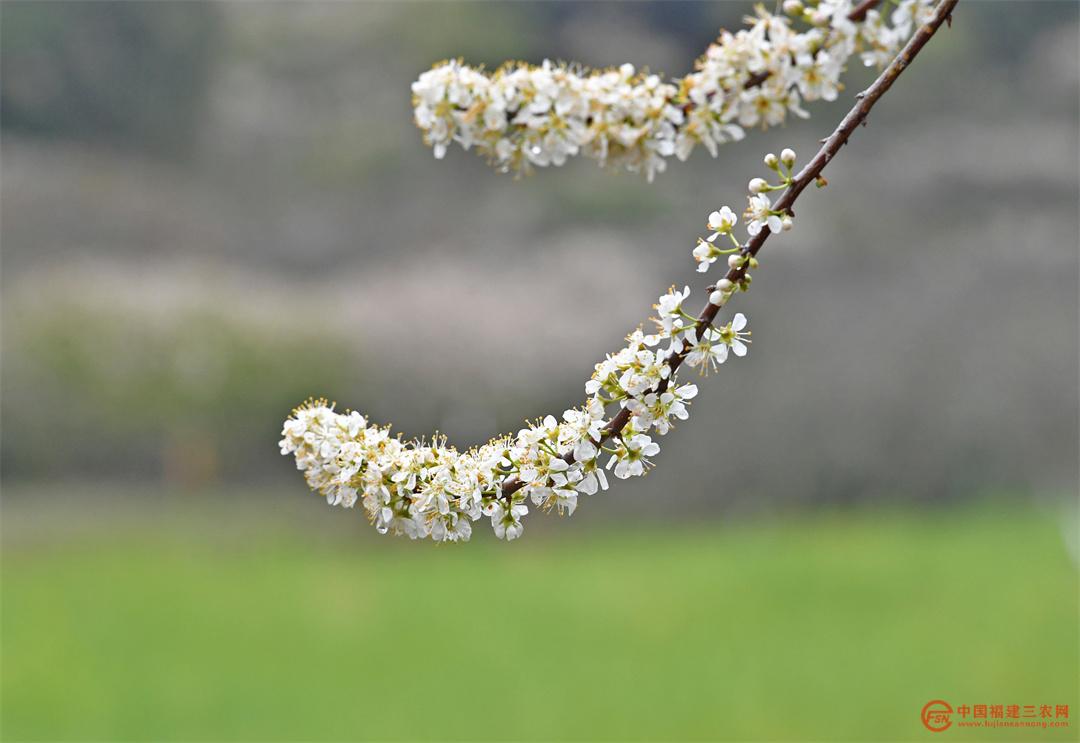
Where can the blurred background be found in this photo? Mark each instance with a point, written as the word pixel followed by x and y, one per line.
pixel 212 211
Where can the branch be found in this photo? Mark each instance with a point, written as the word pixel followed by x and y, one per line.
pixel 523 116
pixel 809 174
pixel 434 491
pixel 859 14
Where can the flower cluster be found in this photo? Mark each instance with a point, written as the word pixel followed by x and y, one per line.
pixel 523 115
pixel 760 215
pixel 433 490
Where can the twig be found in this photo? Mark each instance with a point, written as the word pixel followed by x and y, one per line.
pixel 810 173
pixel 861 9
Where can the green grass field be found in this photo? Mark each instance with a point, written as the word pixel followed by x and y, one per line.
pixel 836 626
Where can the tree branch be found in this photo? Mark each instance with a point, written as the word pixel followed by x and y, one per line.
pixel 810 173
pixel 860 11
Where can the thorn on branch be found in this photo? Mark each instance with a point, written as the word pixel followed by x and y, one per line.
pixel 756 79
pixel 860 11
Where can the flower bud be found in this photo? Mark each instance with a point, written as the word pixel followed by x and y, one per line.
pixel 787 157
pixel 757 185
pixel 724 285
pixel 819 17
pixel 753 262
pixel 717 298
pixel 771 161
pixel 793 7
pixel 787 223
pixel 734 260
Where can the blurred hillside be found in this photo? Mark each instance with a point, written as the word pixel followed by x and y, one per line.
pixel 211 211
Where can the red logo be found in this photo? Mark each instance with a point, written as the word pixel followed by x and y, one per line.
pixel 936 716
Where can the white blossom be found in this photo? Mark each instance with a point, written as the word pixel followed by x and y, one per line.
pixel 669 307
pixel 731 336
pixel 631 457
pixel 423 489
pixel 521 115
pixel 760 214
pixel 506 522
pixel 721 222
pixel 708 351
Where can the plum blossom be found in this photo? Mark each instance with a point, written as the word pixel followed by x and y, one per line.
pixel 731 336
pixel 721 222
pixel 708 352
pixel 631 457
pixel 522 116
pixel 760 214
pixel 430 490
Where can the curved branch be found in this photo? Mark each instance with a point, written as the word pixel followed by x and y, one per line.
pixel 809 174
